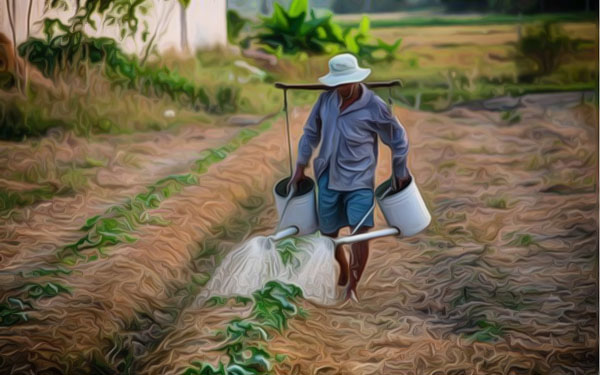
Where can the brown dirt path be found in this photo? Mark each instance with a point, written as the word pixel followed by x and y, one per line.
pixel 503 282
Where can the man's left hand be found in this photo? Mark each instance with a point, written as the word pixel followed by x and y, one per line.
pixel 402 182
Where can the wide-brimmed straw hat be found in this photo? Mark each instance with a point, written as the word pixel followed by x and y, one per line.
pixel 344 69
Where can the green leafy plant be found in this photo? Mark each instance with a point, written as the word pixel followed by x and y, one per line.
pixel 273 306
pixel 289 31
pixel 13 311
pixel 298 29
pixel 356 42
pixel 68 50
pixel 119 222
pixel 49 289
pixel 287 249
pixel 235 24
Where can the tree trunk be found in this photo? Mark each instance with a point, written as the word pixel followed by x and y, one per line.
pixel 184 36
pixel 11 21
pixel 29 6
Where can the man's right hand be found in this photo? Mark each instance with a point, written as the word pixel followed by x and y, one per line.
pixel 296 178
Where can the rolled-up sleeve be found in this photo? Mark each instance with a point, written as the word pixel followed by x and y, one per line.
pixel 312 134
pixel 393 134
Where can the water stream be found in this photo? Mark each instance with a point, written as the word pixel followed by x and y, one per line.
pixel 307 262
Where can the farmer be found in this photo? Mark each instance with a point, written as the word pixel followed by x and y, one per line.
pixel 346 122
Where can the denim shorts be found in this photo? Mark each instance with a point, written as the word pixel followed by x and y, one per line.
pixel 338 209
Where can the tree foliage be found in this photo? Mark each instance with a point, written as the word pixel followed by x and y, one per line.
pixel 121 13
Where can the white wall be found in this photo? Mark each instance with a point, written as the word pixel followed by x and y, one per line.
pixel 206 24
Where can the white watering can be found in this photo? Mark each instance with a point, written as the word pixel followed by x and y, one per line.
pixel 297 208
pixel 404 211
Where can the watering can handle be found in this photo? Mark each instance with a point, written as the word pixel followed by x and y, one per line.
pixel 287 203
pixel 360 223
pixel 366 236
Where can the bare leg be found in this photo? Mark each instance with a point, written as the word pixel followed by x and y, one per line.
pixel 358 262
pixel 340 256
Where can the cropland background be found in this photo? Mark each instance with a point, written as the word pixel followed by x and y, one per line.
pixel 125 180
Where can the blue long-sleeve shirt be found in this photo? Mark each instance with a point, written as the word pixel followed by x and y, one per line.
pixel 348 140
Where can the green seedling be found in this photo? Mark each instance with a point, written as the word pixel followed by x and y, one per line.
pixel 499 203
pixel 523 240
pixel 487 331
pixel 288 250
pixel 13 311
pixel 273 306
pixel 50 289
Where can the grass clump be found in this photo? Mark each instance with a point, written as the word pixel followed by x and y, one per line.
pixel 489 19
pixel 511 117
pixel 541 49
pixel 18 122
pixel 10 199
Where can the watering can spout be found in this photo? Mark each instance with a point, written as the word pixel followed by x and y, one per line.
pixel 366 236
pixel 289 231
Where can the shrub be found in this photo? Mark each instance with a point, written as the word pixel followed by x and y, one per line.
pixel 541 49
pixel 68 50
pixel 17 123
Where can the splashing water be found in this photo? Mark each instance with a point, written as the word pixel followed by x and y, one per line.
pixel 309 264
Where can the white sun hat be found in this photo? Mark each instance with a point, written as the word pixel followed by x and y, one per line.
pixel 344 69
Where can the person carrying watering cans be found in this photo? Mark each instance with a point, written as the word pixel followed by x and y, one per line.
pixel 346 121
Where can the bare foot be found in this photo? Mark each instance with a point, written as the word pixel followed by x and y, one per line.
pixel 351 294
